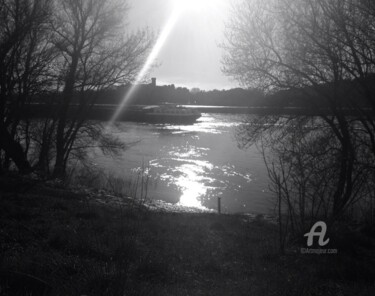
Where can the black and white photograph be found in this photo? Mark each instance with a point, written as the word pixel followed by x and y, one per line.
pixel 187 147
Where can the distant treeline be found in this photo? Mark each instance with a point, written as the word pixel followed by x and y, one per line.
pixel 150 94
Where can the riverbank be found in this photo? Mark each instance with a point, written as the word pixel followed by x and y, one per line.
pixel 136 113
pixel 70 242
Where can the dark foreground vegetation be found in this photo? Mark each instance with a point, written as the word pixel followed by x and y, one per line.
pixel 60 242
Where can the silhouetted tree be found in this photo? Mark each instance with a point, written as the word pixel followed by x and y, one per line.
pixel 96 53
pixel 314 47
pixel 24 66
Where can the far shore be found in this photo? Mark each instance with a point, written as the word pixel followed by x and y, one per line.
pixel 134 112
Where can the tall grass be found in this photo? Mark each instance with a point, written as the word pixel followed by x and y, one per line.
pixel 133 186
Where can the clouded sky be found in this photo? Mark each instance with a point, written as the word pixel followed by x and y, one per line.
pixel 190 56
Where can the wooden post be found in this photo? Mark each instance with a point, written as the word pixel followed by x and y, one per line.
pixel 219 205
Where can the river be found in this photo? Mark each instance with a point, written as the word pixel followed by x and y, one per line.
pixel 193 165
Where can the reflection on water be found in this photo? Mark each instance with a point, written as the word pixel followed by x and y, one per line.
pixel 207 124
pixel 193 165
pixel 191 185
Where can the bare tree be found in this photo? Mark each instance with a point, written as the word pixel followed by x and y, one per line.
pixel 75 52
pixel 321 50
pixel 24 58
pixel 96 53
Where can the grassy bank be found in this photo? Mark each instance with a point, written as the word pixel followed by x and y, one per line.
pixel 63 243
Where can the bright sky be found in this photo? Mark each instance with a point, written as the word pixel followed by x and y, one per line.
pixel 188 55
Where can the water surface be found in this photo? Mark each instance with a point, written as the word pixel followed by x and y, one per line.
pixel 193 165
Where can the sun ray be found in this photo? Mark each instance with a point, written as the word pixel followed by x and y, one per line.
pixel 150 60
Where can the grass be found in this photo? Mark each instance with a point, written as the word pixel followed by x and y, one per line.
pixel 55 242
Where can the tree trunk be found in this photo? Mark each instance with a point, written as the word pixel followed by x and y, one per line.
pixel 59 169
pixel 14 150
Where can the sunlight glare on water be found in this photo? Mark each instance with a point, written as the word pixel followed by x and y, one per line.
pixel 193 165
pixel 206 124
pixel 190 175
pixel 191 185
